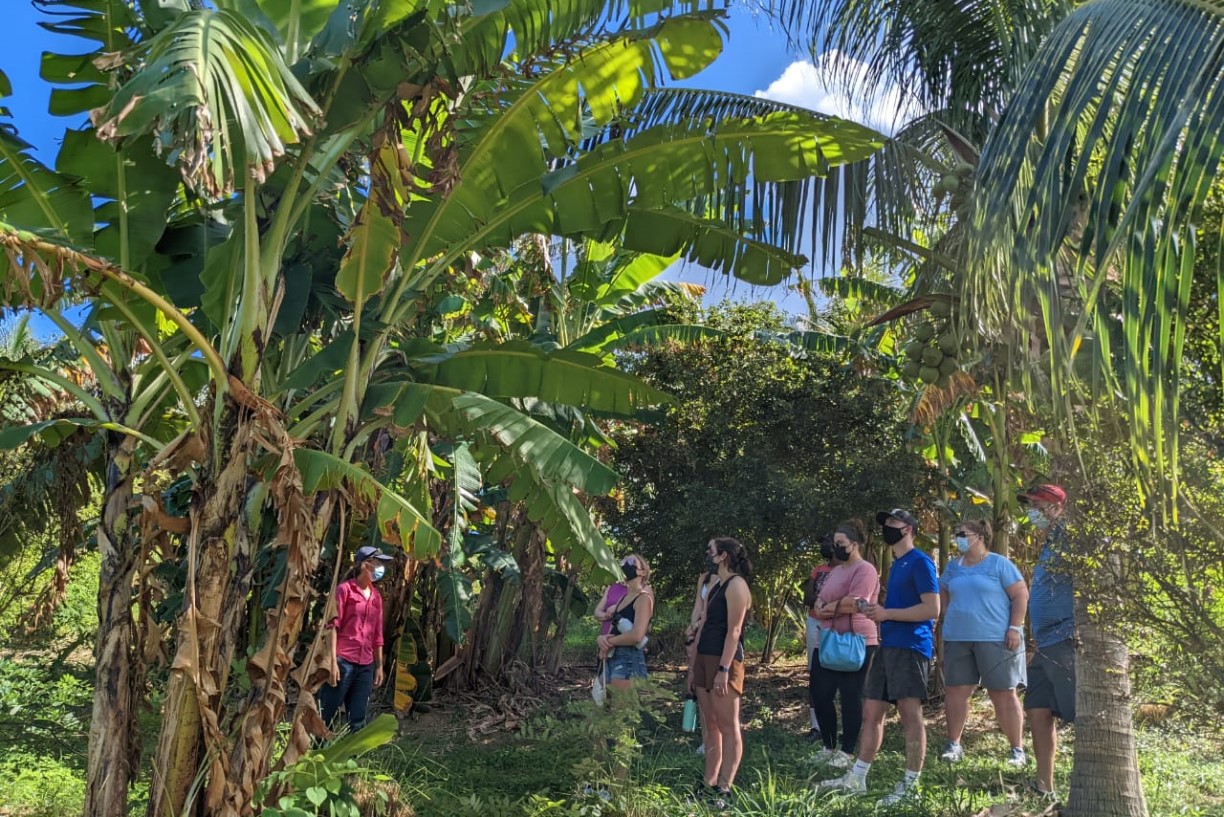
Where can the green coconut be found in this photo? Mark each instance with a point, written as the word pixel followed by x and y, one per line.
pixel 911 369
pixel 924 332
pixel 942 308
pixel 932 356
pixel 948 366
pixel 943 381
pixel 928 374
pixel 949 344
pixel 913 350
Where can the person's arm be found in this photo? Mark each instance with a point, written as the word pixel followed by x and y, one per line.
pixel 1019 594
pixel 379 676
pixel 335 640
pixel 601 609
pixel 738 602
pixel 943 598
pixel 862 585
pixel 698 606
pixel 925 610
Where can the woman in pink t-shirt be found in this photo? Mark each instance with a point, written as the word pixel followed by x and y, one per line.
pixel 357 661
pixel 854 580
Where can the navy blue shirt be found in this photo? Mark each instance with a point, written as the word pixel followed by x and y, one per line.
pixel 1052 597
pixel 909 578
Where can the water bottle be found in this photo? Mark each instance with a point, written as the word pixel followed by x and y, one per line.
pixel 690 714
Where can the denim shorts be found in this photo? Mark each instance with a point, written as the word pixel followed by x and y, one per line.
pixel 625 663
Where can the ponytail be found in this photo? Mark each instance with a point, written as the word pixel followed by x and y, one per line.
pixel 737 556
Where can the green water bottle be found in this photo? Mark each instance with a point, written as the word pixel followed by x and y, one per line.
pixel 690 714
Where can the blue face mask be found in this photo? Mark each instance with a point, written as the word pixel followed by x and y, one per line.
pixel 1037 518
pixel 962 544
pixel 379 572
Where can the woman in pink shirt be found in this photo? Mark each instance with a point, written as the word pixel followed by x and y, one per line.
pixel 836 607
pixel 357 661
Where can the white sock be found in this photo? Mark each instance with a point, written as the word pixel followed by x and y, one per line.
pixel 911 778
pixel 812 715
pixel 860 768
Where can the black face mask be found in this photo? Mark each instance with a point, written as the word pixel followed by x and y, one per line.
pixel 826 550
pixel 630 571
pixel 711 565
pixel 841 553
pixel 893 535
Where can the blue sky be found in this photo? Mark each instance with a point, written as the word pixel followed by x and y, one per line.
pixel 756 60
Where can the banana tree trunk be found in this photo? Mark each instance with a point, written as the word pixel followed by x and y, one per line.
pixel 114 746
pixel 302 525
pixel 191 717
pixel 1105 775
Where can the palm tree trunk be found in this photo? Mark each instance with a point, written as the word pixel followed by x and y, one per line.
pixel 1105 775
pixel 114 750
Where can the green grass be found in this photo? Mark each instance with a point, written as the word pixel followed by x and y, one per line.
pixel 540 769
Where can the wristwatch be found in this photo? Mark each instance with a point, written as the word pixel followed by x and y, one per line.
pixel 721 668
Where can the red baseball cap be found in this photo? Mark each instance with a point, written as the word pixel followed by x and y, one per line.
pixel 1053 494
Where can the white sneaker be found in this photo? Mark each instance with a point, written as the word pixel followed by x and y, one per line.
pixel 1017 759
pixel 953 752
pixel 822 757
pixel 841 760
pixel 701 749
pixel 901 794
pixel 849 783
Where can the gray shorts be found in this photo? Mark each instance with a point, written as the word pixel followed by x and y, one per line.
pixel 988 663
pixel 1051 680
pixel 897 673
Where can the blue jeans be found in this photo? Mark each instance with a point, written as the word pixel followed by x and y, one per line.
pixel 356 683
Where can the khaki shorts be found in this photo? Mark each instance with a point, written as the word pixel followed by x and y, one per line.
pixel 705 670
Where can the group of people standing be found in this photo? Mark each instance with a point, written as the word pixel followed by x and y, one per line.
pixel 983 599
pixel 984 602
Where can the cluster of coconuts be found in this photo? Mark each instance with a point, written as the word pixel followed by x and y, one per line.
pixel 931 356
pixel 957 183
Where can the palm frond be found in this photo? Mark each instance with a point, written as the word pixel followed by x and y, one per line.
pixel 1109 147
pixel 964 55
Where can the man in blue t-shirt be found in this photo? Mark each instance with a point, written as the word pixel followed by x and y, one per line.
pixel 1051 672
pixel 902 666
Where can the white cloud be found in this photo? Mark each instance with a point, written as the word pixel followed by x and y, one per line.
pixel 820 86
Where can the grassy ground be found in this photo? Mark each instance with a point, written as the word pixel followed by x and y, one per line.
pixel 529 756
pixel 537 764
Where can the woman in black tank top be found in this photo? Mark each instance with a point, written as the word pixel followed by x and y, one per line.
pixel 717 674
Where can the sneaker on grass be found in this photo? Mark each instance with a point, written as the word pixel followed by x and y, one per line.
pixel 953 752
pixel 903 793
pixel 1036 791
pixel 1017 758
pixel 822 757
pixel 841 760
pixel 848 783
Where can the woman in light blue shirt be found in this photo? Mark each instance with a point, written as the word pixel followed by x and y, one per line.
pixel 985 598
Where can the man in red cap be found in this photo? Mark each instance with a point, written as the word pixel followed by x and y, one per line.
pixel 1051 672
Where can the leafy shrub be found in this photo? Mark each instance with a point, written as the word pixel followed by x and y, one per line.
pixel 36 786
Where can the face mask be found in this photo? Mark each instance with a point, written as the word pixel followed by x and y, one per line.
pixel 962 544
pixel 711 565
pixel 379 572
pixel 826 550
pixel 1037 518
pixel 630 571
pixel 841 553
pixel 893 535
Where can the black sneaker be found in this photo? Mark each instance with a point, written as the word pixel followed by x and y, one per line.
pixel 813 736
pixel 721 801
pixel 702 793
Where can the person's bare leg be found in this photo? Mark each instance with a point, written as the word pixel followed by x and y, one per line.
pixel 713 733
pixel 915 733
pixel 1045 745
pixel 731 736
pixel 1009 714
pixel 873 729
pixel 956 710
